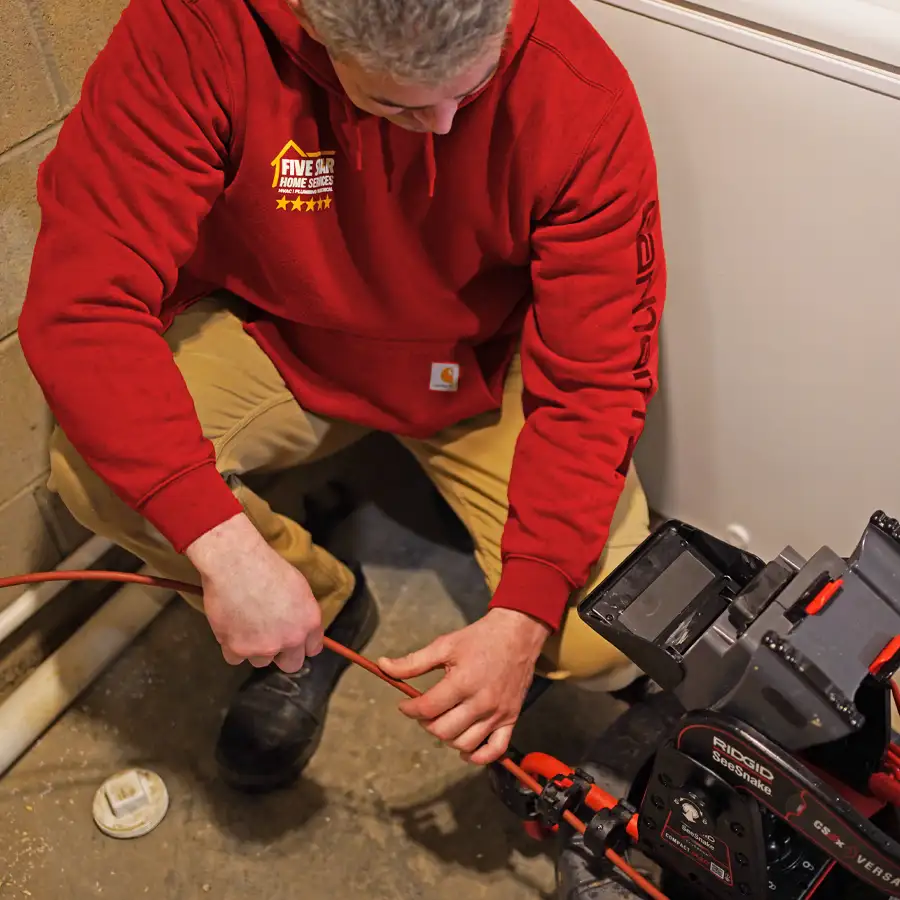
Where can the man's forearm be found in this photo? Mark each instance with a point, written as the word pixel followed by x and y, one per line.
pixel 589 363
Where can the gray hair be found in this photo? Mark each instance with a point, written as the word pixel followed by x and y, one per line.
pixel 417 41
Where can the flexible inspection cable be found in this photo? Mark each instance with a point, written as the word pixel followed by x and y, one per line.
pixel 358 659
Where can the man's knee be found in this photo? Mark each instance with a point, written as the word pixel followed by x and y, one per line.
pixel 631 521
pixel 87 497
pixel 576 651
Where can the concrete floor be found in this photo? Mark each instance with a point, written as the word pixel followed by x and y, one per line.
pixel 384 811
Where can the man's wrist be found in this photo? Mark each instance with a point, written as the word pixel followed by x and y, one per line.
pixel 223 544
pixel 527 627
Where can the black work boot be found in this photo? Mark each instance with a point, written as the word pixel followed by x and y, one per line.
pixel 276 720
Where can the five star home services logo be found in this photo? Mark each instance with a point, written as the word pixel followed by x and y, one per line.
pixel 309 176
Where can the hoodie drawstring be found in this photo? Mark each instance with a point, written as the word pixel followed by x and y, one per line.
pixel 348 131
pixel 430 163
pixel 357 145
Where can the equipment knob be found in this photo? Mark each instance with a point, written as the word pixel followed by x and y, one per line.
pixel 695 808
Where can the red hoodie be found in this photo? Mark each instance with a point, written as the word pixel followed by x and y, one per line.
pixel 213 147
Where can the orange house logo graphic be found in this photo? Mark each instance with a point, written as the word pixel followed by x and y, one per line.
pixel 303 179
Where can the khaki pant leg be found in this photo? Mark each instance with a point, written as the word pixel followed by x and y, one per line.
pixel 254 423
pixel 470 465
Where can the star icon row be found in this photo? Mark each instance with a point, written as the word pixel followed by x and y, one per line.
pixel 304 205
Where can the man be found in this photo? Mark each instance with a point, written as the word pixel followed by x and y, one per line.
pixel 270 225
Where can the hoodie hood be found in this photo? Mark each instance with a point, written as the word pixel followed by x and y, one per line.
pixel 310 56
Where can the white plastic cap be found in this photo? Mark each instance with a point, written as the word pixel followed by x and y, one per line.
pixel 130 803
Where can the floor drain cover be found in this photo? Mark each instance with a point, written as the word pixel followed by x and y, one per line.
pixel 131 803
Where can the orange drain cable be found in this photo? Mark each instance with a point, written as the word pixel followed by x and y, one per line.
pixel 347 653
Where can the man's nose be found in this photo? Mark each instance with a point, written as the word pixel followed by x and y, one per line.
pixel 438 118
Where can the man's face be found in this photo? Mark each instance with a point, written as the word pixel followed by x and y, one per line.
pixel 413 107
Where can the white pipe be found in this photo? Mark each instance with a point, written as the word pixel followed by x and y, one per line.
pixel 61 678
pixel 28 603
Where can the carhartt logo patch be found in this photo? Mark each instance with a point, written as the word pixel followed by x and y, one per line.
pixel 444 376
pixel 304 179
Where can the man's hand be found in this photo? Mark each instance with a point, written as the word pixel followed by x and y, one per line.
pixel 259 607
pixel 489 667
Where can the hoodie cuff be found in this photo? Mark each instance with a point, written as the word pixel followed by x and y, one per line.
pixel 190 505
pixel 534 588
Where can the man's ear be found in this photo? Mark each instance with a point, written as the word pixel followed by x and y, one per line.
pixel 296 7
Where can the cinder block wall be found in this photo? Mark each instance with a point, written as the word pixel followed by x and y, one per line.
pixel 45 49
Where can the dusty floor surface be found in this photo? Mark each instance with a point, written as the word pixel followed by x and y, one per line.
pixel 383 811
